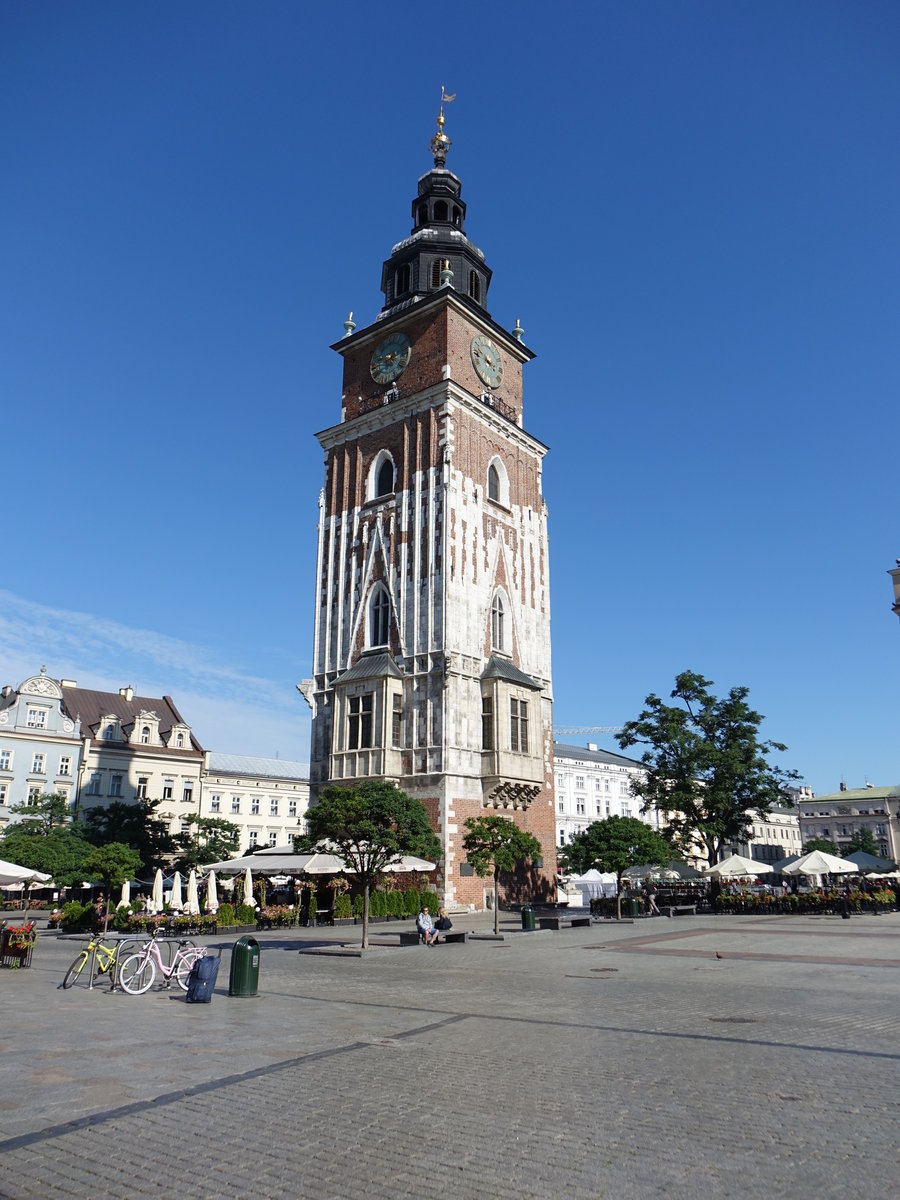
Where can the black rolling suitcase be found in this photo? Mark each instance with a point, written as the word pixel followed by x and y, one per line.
pixel 202 980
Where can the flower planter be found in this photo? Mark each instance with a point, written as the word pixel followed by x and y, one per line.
pixel 16 948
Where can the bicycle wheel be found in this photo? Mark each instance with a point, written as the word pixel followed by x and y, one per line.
pixel 137 974
pixel 75 970
pixel 185 965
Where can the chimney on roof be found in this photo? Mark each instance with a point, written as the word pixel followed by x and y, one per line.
pixel 127 692
pixel 592 745
pixel 7 691
pixel 68 683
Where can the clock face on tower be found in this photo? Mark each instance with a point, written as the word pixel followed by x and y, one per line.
pixel 487 361
pixel 391 358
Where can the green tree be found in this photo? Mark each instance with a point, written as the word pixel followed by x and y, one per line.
pixel 615 845
pixel 112 865
pixel 210 839
pixel 495 844
pixel 822 844
pixel 862 839
pixel 59 852
pixel 367 827
pixel 135 825
pixel 706 768
pixel 49 811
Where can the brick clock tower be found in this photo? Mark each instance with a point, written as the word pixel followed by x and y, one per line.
pixel 432 626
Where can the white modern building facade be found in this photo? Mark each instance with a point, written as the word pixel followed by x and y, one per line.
pixel 266 798
pixel 591 785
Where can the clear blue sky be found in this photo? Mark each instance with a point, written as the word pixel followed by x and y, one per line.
pixel 692 208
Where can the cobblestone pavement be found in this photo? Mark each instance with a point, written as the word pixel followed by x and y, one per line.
pixel 701 1056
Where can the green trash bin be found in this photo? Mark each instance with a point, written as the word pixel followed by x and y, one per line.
pixel 633 907
pixel 244 978
pixel 528 917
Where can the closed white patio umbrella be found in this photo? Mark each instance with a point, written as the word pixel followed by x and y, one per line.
pixel 125 898
pixel 248 887
pixel 175 901
pixel 193 900
pixel 212 897
pixel 156 896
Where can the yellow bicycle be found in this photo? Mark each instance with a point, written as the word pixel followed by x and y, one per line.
pixel 105 963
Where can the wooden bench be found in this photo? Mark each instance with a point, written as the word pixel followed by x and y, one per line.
pixel 559 923
pixel 681 908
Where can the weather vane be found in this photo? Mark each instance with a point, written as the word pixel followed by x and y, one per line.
pixel 440 143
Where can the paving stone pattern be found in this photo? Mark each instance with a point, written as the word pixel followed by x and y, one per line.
pixel 616 1061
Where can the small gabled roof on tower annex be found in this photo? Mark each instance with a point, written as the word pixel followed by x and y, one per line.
pixel 371 665
pixel 502 668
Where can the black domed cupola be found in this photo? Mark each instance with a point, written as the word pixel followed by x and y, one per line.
pixel 437 253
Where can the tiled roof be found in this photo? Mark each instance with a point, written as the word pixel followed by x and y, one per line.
pixel 595 756
pixel 502 668
pixel 371 666
pixel 247 764
pixel 91 706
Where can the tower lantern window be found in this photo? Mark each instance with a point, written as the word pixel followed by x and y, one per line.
pixel 440 210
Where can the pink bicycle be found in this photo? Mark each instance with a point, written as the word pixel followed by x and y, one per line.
pixel 137 973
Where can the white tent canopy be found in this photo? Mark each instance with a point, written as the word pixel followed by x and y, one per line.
pixel 10 873
pixel 281 860
pixel 736 866
pixel 820 863
pixel 593 884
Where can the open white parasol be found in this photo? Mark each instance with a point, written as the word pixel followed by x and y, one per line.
pixel 735 866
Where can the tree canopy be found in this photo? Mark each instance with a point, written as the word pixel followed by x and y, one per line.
pixel 368 827
pixel 495 844
pixel 862 839
pixel 209 840
pixel 614 845
pixel 820 843
pixel 707 771
pixel 135 825
pixel 112 865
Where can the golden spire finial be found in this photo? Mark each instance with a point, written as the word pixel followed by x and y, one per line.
pixel 440 143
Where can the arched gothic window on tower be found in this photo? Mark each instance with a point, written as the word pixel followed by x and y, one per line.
pixel 493 482
pixel 383 478
pixel 422 215
pixel 440 210
pixel 474 286
pixel 498 623
pixel 498 483
pixel 379 618
pixel 401 286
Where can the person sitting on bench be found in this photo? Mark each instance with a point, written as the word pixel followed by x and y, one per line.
pixel 443 924
pixel 425 926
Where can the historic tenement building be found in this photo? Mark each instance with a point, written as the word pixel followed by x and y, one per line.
pixel 432 614
pixel 40 744
pixel 837 816
pixel 265 798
